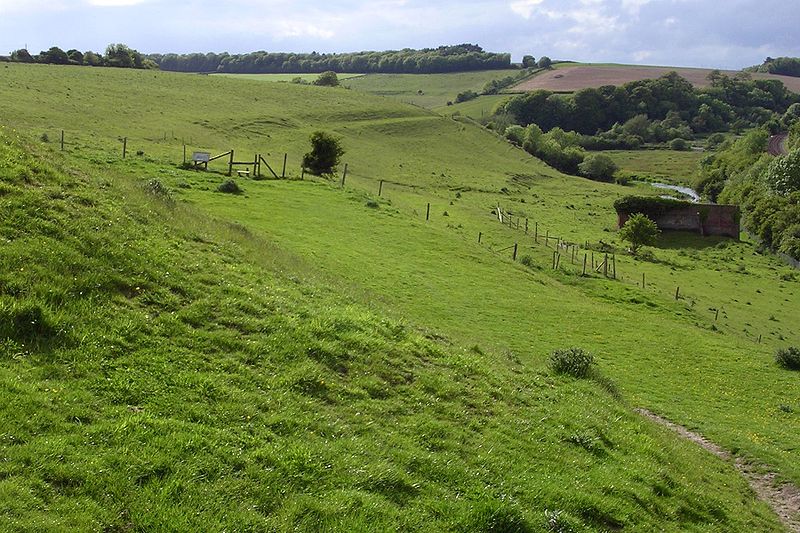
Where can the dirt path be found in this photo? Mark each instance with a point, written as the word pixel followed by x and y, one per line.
pixel 777 144
pixel 784 499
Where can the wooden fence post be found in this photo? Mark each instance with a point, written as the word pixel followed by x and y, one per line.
pixel 184 154
pixel 643 285
pixel 716 315
pixel 124 147
pixel 344 174
pixel 230 164
pixel 380 188
pixel 514 257
pixel 547 238
pixel 283 172
pixel 480 235
pixel 605 265
pixel 428 212
pixel 677 292
pixel 584 264
pixel 614 265
pixel 526 226
pixel 536 232
pixel 62 140
pixel 302 173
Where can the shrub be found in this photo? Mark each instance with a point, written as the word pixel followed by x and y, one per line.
pixel 230 187
pixel 527 261
pixel 326 150
pixel 639 231
pixel 44 138
pixel 575 362
pixel 788 358
pixel 327 79
pixel 679 144
pixel 598 167
pixel 466 96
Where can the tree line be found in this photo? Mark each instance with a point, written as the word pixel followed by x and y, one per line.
pixel 559 128
pixel 785 66
pixel 116 55
pixel 457 58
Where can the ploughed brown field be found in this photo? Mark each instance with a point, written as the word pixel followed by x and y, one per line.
pixel 570 79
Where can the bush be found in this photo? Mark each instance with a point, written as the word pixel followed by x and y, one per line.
pixel 639 231
pixel 680 145
pixel 230 187
pixel 466 96
pixel 326 150
pixel 788 358
pixel 575 362
pixel 327 79
pixel 598 167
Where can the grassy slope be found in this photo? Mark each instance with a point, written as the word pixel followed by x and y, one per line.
pixel 164 370
pixel 436 89
pixel 666 166
pixel 286 77
pixel 441 156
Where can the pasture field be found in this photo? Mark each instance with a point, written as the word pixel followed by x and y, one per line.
pixel 426 90
pixel 297 327
pixel 665 166
pixel 571 77
pixel 286 77
pixel 476 109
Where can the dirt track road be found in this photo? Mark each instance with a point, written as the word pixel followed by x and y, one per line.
pixel 777 144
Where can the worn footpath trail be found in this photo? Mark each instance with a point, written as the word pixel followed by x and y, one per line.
pixel 783 498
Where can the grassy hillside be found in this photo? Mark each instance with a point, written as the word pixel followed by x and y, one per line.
pixel 426 90
pixel 666 166
pixel 292 250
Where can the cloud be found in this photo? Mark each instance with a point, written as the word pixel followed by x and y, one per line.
pixel 524 8
pixel 115 3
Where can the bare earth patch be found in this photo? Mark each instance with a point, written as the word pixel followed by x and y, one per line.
pixel 571 79
pixel 784 499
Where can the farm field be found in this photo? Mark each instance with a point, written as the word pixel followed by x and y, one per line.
pixel 666 166
pixel 568 77
pixel 299 297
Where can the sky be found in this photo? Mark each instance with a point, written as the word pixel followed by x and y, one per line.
pixel 703 33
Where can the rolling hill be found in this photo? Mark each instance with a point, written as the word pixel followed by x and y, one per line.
pixel 306 356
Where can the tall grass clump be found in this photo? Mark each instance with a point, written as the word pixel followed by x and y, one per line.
pixel 575 362
pixel 788 358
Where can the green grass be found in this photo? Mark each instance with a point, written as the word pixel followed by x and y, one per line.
pixel 286 77
pixel 666 166
pixel 426 90
pixel 478 108
pixel 277 264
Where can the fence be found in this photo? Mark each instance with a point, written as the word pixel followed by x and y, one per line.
pixel 598 262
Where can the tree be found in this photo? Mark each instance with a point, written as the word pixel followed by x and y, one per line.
pixel 639 231
pixel 327 79
pixel 528 61
pixel 92 59
pixel 783 174
pixel 75 57
pixel 598 167
pixel 545 62
pixel 22 56
pixel 326 151
pixel 54 55
pixel 120 55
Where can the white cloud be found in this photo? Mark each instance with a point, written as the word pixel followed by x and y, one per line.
pixel 524 8
pixel 115 3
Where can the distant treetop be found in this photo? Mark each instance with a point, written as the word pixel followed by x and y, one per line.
pixel 457 58
pixel 786 66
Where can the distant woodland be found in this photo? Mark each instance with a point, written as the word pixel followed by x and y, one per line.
pixel 458 58
pixel 786 66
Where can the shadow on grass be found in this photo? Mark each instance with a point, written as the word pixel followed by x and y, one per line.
pixel 683 240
